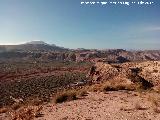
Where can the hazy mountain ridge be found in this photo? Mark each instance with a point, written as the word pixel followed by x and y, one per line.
pixel 31 47
pixel 37 43
pixel 43 51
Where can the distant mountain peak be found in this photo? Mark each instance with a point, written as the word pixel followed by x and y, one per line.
pixel 37 42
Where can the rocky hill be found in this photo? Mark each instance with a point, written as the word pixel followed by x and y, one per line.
pixel 119 55
pixel 145 73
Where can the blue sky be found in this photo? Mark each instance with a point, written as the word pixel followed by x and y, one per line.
pixel 69 24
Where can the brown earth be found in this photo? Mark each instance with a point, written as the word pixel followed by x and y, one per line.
pixel 120 105
pixel 117 105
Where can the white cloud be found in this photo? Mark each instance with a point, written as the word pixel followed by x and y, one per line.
pixel 153 28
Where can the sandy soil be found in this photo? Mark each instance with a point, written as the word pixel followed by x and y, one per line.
pixel 115 105
pixel 118 105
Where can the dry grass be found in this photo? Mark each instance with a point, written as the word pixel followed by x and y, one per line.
pixel 26 113
pixel 110 86
pixel 70 94
pixel 95 87
pixel 82 92
pixel 65 96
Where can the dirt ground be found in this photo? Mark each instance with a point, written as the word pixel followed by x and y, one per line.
pixel 116 105
pixel 111 105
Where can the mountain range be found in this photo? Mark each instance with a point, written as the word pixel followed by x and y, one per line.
pixel 39 50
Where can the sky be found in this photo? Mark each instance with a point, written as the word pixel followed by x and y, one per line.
pixel 70 24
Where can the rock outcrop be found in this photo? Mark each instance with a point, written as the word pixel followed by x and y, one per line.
pixel 145 73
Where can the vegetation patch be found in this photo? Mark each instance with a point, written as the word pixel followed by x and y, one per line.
pixel 65 96
pixel 113 86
